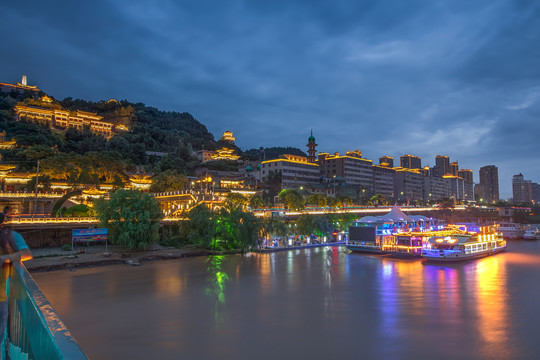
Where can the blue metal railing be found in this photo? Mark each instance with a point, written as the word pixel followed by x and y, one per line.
pixel 34 330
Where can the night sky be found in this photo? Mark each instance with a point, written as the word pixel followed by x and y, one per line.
pixel 456 78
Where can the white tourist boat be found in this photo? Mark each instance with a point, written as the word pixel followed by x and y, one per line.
pixel 531 233
pixel 511 230
pixel 464 244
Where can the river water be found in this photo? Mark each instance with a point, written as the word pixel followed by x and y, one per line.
pixel 319 303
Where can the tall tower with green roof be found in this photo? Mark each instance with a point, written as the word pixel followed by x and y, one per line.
pixel 311 148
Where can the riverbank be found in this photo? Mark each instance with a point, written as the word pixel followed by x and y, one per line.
pixel 51 259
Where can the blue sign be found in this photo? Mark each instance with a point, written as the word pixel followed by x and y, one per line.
pixel 89 234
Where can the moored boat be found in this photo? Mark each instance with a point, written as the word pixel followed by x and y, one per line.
pixel 463 244
pixel 532 233
pixel 395 234
pixel 511 230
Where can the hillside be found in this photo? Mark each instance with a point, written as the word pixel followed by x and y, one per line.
pixel 176 134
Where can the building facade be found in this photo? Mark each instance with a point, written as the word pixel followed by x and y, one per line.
pixel 409 184
pixel 295 171
pixel 489 180
pixel 410 162
pixel 351 166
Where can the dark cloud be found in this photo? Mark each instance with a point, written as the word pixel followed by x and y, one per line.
pixel 387 77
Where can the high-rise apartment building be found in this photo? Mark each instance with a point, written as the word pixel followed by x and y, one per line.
pixel 387 161
pixel 523 190
pixel 351 167
pixel 454 168
pixel 442 166
pixel 410 162
pixel 489 180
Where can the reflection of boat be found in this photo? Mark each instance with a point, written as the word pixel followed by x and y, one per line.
pixel 531 233
pixel 464 244
pixel 511 230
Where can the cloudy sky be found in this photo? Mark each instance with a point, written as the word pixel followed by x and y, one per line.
pixel 457 78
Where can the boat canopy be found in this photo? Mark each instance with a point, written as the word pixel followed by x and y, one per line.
pixel 396 215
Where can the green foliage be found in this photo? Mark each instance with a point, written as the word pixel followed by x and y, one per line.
pixel 237 199
pixel 169 180
pixel 256 202
pixel 292 199
pixel 274 227
pixel 44 183
pixel 317 200
pixel 201 226
pixel 65 247
pixel 132 217
pixel 76 211
pixel 313 224
pixel 58 205
pixel 378 199
pixel 237 228
pixel 272 185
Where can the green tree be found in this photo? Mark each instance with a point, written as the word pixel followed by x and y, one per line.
pixel 201 226
pixel 256 202
pixel 378 199
pixel 292 199
pixel 237 199
pixel 132 217
pixel 317 200
pixel 168 180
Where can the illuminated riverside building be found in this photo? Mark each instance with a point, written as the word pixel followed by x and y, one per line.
pixel 455 186
pixel 524 191
pixel 351 167
pixel 383 180
pixel 409 184
pixel 410 162
pixel 435 188
pixel 295 171
pixel 489 181
pixel 64 119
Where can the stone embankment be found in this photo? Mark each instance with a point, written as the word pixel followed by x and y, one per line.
pixel 50 259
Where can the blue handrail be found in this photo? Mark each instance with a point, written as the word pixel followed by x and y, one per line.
pixel 34 330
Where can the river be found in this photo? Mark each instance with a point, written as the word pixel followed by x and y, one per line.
pixel 319 303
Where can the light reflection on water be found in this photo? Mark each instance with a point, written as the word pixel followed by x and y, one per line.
pixel 313 303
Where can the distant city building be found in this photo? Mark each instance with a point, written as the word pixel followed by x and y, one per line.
pixel 454 168
pixel 442 165
pixel 408 184
pixel 524 191
pixel 466 174
pixel 383 180
pixel 294 170
pixel 455 187
pixel 351 166
pixel 489 180
pixel 387 161
pixel 435 188
pixel 410 162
